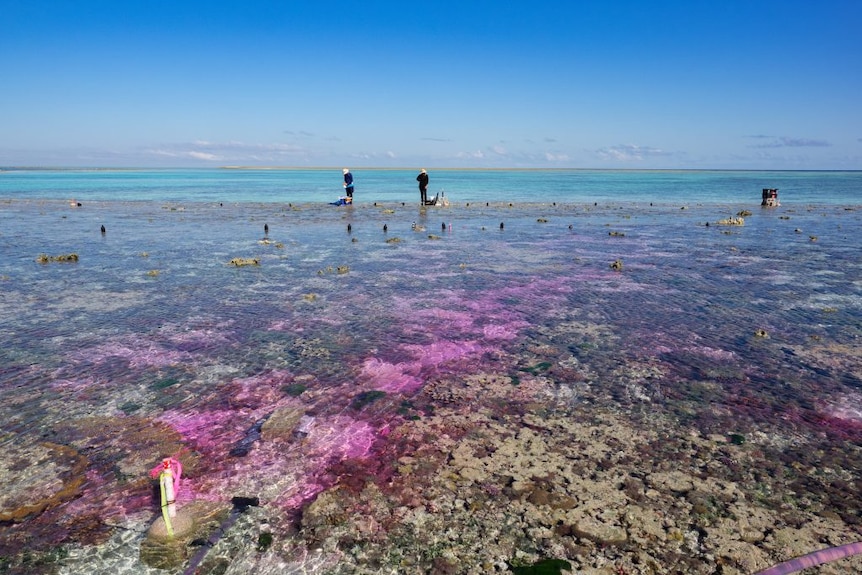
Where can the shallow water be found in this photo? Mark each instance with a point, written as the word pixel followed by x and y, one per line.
pixel 682 187
pixel 151 341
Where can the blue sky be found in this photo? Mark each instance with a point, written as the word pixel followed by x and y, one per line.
pixel 771 84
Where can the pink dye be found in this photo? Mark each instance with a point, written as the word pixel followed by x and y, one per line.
pixel 174 466
pixel 200 424
pixel 848 407
pixel 260 389
pixel 462 334
pixel 448 320
pixel 342 437
pixel 814 559
pixel 389 377
pixel 303 493
pixel 404 377
pixel 504 332
pixel 442 351
pixel 211 432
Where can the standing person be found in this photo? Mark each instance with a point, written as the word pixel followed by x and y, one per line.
pixel 422 178
pixel 348 183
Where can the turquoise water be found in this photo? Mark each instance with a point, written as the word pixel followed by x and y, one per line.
pixel 367 321
pixel 230 185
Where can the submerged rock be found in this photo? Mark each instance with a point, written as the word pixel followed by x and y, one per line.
pixel 37 477
pixel 242 447
pixel 129 445
pixel 282 424
pixel 194 522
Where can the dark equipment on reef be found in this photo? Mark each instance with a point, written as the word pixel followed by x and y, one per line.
pixel 439 200
pixel 770 198
pixel 240 505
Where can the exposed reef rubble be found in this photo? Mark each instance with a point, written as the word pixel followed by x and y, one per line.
pixel 504 471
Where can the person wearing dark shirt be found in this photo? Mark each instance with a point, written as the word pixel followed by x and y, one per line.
pixel 422 178
pixel 348 183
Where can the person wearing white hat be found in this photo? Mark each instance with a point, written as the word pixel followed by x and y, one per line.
pixel 422 178
pixel 348 183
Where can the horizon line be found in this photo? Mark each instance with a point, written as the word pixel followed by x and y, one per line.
pixel 403 168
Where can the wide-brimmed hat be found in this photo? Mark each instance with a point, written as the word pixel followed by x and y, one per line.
pixel 345 170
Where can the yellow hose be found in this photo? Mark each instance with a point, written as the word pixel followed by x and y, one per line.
pixel 165 514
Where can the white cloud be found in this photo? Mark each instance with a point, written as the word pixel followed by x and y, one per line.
pixel 629 153
pixel 477 155
pixel 551 157
pixel 785 142
pixel 203 156
pixel 231 151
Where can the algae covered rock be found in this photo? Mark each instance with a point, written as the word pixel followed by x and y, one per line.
pixel 197 520
pixel 38 476
pixel 282 424
pixel 328 509
pixel 129 445
pixel 44 258
pixel 600 532
pixel 672 481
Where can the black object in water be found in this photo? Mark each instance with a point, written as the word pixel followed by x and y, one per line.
pixel 240 505
pixel 242 447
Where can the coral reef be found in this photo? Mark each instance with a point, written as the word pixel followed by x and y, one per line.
pixel 501 403
pixel 490 491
